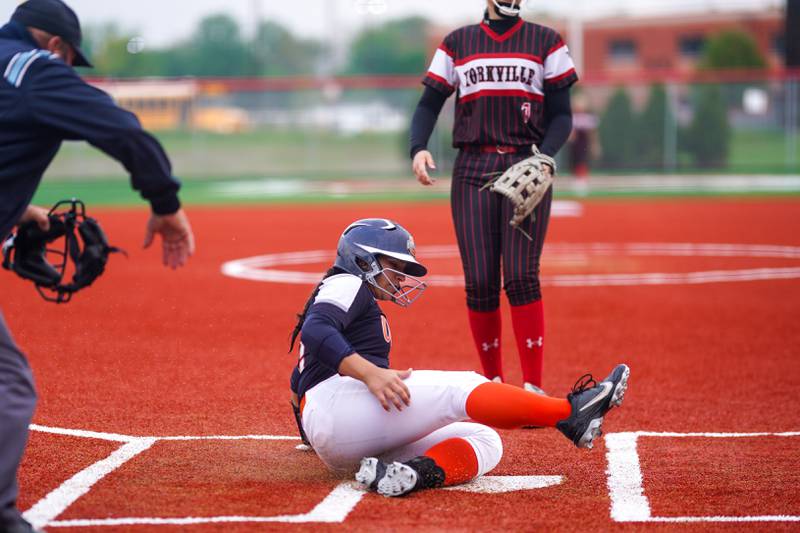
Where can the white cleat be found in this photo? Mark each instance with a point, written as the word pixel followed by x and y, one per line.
pixel 400 479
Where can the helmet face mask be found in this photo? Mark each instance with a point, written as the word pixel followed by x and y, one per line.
pixel 362 246
pixel 404 292
pixel 508 8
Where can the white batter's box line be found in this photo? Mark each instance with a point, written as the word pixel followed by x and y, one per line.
pixel 333 509
pixel 115 437
pixel 46 510
pixel 625 481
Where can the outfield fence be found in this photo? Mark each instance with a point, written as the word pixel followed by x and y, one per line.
pixel 357 127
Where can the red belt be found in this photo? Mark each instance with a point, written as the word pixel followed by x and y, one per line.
pixel 493 148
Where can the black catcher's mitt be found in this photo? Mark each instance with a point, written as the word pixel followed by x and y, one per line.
pixel 85 244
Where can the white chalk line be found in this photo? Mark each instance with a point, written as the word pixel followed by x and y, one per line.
pixel 57 501
pixel 333 509
pixel 261 268
pixel 130 438
pixel 625 481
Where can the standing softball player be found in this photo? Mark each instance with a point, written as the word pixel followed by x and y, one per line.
pixel 512 80
pixel 407 429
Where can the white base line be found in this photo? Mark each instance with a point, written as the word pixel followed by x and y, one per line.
pixel 56 502
pixel 114 437
pixel 626 488
pixel 65 495
pixel 333 509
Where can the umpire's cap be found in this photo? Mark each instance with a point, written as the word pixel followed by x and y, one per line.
pixel 55 17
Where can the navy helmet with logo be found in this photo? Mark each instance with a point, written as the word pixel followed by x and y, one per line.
pixel 364 241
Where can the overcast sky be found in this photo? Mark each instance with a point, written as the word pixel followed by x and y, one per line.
pixel 164 21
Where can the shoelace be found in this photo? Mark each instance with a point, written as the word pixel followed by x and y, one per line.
pixel 584 382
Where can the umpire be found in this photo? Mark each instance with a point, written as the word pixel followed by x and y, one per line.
pixel 43 101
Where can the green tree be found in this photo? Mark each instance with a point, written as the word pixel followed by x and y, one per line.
pixel 651 129
pixel 732 49
pixel 119 53
pixel 215 48
pixel 397 47
pixel 276 52
pixel 617 133
pixel 708 137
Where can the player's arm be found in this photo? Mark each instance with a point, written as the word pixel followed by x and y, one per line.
pixel 385 384
pixel 558 121
pixel 441 80
pixel 58 99
pixel 559 76
pixel 322 336
pixel 422 124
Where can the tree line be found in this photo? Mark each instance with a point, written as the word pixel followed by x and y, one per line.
pixel 637 140
pixel 218 47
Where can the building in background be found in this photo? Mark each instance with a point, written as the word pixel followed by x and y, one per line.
pixel 637 46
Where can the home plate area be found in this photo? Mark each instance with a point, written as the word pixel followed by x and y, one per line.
pixel 626 475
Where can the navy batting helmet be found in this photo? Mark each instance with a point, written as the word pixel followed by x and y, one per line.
pixel 364 241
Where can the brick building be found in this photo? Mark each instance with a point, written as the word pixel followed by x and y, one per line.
pixel 632 46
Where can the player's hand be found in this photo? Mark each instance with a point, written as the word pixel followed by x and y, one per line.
pixel 38 214
pixel 176 235
pixel 547 169
pixel 388 387
pixel 420 165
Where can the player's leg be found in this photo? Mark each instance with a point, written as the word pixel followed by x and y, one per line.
pixel 521 259
pixel 458 453
pixel 345 422
pixel 477 231
pixel 17 402
pixel 452 455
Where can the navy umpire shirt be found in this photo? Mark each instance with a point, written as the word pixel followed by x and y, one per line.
pixel 43 101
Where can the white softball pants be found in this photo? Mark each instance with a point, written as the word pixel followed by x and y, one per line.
pixel 344 422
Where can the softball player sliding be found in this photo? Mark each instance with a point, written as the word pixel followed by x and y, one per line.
pixel 512 80
pixel 409 429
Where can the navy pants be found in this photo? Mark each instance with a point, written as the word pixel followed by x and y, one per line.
pixel 488 245
pixel 17 402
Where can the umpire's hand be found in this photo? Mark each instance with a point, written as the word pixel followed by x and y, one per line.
pixel 176 234
pixel 422 162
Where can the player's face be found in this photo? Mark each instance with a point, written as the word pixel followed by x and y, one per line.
pixel 391 278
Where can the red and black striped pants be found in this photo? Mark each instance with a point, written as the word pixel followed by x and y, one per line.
pixel 487 242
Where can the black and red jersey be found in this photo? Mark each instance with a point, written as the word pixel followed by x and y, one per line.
pixel 502 81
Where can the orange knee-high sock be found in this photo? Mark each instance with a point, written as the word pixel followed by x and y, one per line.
pixel 457 458
pixel 506 407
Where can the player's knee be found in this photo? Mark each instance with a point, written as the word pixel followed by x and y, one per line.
pixel 522 291
pixel 482 294
pixel 488 448
pixel 482 302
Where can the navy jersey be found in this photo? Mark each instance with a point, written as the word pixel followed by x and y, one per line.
pixel 43 101
pixel 344 318
pixel 501 80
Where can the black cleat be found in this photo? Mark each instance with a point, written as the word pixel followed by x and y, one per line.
pixel 399 479
pixel 590 402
